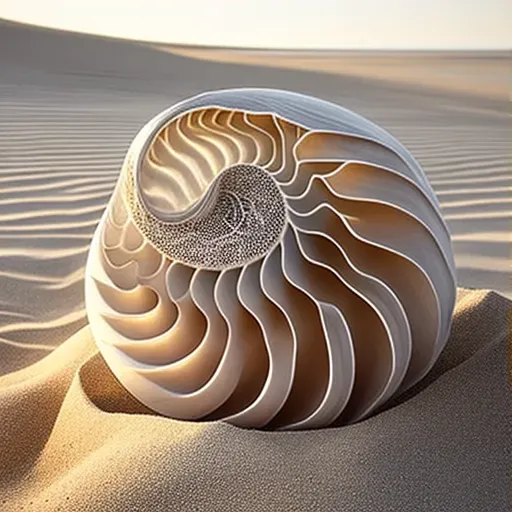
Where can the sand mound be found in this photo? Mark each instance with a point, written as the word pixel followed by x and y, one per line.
pixel 73 439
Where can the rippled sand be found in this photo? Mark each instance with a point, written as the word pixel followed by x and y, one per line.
pixel 69 107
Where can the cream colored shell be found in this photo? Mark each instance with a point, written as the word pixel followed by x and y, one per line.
pixel 269 259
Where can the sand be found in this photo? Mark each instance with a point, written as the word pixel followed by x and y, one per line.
pixel 483 74
pixel 69 107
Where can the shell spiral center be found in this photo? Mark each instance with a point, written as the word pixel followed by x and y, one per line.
pixel 239 219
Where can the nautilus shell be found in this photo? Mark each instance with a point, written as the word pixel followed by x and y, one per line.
pixel 270 259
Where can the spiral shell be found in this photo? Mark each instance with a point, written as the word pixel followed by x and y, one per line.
pixel 270 259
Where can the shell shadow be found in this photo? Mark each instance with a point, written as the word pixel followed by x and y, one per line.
pixel 105 391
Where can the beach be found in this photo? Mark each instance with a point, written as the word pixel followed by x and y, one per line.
pixel 72 439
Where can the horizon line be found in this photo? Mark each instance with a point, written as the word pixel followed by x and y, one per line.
pixel 254 48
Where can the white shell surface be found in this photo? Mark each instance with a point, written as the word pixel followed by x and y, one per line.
pixel 270 259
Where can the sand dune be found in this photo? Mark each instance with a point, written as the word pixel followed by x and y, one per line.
pixel 69 106
pixel 485 74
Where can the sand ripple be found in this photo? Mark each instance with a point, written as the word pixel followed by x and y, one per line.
pixel 70 105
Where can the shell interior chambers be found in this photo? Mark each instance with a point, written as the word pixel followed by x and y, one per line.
pixel 251 269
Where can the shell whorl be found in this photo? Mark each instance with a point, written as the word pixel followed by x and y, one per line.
pixel 269 259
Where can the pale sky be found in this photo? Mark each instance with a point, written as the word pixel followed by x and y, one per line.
pixel 365 24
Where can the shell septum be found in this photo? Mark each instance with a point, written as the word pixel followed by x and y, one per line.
pixel 272 260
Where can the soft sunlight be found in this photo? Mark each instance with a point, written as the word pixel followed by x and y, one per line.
pixel 364 24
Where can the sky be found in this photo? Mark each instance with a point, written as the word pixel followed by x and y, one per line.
pixel 304 24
